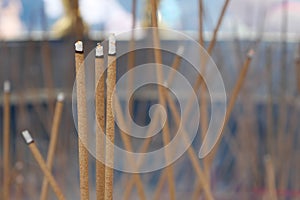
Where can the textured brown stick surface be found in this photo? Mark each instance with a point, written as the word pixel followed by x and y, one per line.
pixel 6 146
pixel 110 128
pixel 100 120
pixel 52 145
pixel 82 127
pixel 38 157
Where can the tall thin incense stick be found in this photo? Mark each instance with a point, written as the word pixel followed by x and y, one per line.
pixel 233 98
pixel 82 122
pixel 127 144
pixel 270 124
pixel 6 141
pixel 100 121
pixel 38 157
pixel 270 178
pixel 203 90
pixel 48 78
pixel 161 99
pixel 191 152
pixel 126 140
pixel 53 141
pixel 216 30
pixel 110 123
pixel 175 66
pixel 199 79
pixel 229 109
pixel 201 16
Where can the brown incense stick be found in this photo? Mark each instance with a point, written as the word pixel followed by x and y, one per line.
pixel 191 152
pixel 38 157
pixel 203 183
pixel 126 140
pixel 6 141
pixel 82 122
pixel 197 84
pixel 175 66
pixel 233 98
pixel 270 124
pixel 203 90
pixel 159 187
pixel 110 124
pixel 53 141
pixel 48 78
pixel 199 79
pixel 216 30
pixel 270 178
pixel 159 74
pixel 230 106
pixel 201 16
pixel 127 144
pixel 100 121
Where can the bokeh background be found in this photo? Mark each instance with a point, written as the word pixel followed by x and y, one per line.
pixel 37 56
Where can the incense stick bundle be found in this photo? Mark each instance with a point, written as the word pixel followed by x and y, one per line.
pixel 175 66
pixel 202 180
pixel 38 157
pixel 6 141
pixel 110 123
pixel 196 86
pixel 100 121
pixel 82 122
pixel 53 142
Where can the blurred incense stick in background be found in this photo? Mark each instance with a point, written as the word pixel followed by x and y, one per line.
pixel 53 141
pixel 161 99
pixel 257 155
pixel 39 159
pixel 6 142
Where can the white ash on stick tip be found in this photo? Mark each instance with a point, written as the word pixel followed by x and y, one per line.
pixel 27 137
pixel 79 46
pixel 99 50
pixel 112 44
pixel 250 53
pixel 60 97
pixel 180 50
pixel 6 86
